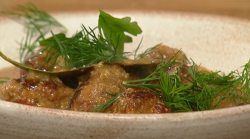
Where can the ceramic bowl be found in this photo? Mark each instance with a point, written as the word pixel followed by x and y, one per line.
pixel 216 42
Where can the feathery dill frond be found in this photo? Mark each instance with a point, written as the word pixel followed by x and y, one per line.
pixel 37 24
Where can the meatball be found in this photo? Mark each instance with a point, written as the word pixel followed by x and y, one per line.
pixel 155 56
pixel 165 52
pixel 93 92
pixel 144 66
pixel 38 89
pixel 139 101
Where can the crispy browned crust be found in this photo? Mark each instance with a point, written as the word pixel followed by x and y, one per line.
pixel 38 90
pixel 139 101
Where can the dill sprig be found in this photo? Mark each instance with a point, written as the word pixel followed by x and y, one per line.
pixel 204 86
pixel 174 93
pixel 37 24
pixel 242 79
pixel 86 47
pixel 83 49
pixel 204 91
pixel 103 106
pixel 170 88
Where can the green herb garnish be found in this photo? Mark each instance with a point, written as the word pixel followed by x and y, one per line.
pixel 202 90
pixel 103 106
pixel 37 24
pixel 87 47
pixel 82 49
pixel 114 29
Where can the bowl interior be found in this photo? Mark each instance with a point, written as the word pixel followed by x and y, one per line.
pixel 218 43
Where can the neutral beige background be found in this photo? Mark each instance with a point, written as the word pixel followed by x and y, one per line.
pixel 236 8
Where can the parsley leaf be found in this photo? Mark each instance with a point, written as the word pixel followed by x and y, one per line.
pixel 114 28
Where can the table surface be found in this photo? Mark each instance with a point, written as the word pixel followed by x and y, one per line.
pixel 234 8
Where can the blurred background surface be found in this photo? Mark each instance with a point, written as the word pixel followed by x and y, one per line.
pixel 234 8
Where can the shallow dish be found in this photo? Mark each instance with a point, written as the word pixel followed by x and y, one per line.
pixel 218 43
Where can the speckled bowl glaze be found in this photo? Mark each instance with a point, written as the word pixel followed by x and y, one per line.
pixel 218 43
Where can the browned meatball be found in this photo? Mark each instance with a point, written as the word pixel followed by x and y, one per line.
pixel 165 52
pixel 92 93
pixel 144 66
pixel 139 101
pixel 38 89
pixel 156 55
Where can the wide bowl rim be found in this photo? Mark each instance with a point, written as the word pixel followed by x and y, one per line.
pixel 167 117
